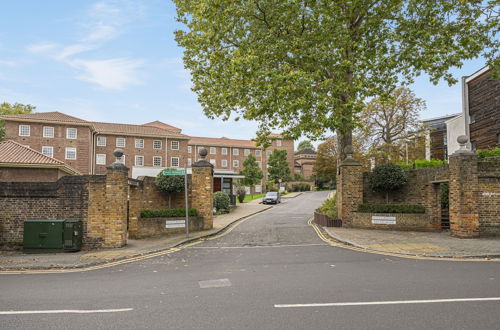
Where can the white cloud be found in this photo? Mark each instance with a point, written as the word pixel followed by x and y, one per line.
pixel 42 48
pixel 115 73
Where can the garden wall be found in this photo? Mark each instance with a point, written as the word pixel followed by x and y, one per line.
pixel 152 227
pixel 489 196
pixel 407 221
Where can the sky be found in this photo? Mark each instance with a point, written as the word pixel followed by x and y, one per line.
pixel 117 61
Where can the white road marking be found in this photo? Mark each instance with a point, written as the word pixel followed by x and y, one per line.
pixel 395 302
pixel 253 247
pixel 68 311
pixel 223 282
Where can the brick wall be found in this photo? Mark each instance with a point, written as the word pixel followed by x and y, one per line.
pixel 489 197
pixel 417 222
pixel 20 174
pixel 151 227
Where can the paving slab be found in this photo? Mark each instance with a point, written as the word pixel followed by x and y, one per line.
pixel 14 260
pixel 428 244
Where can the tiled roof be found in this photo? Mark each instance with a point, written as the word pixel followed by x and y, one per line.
pixel 137 130
pixel 308 151
pixel 14 153
pixel 164 126
pixel 47 116
pixel 223 141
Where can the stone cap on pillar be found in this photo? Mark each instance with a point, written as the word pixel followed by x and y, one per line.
pixel 116 165
pixel 463 140
pixel 202 162
pixel 349 161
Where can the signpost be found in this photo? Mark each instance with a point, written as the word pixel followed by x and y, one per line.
pixel 180 223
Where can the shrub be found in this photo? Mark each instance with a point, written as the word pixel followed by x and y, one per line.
pixel 301 187
pixel 484 153
pixel 391 208
pixel 169 183
pixel 221 201
pixel 241 193
pixel 329 207
pixel 423 163
pixel 168 213
pixel 387 178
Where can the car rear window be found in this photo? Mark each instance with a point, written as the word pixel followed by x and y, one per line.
pixel 272 194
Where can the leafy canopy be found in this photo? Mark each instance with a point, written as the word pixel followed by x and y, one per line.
pixel 306 144
pixel 169 183
pixel 278 166
pixel 387 177
pixel 325 166
pixel 12 109
pixel 251 171
pixel 306 67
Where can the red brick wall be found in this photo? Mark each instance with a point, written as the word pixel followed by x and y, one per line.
pixel 19 174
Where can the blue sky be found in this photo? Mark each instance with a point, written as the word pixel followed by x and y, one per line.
pixel 117 61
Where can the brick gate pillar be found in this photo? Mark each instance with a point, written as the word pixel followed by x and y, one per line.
pixel 349 187
pixel 202 181
pixel 464 192
pixel 115 218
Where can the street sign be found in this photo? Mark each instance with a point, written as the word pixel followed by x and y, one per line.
pixel 383 220
pixel 174 172
pixel 175 224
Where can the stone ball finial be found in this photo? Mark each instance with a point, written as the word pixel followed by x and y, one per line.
pixel 203 153
pixel 118 153
pixel 462 139
pixel 349 150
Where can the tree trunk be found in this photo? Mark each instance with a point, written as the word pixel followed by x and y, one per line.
pixel 344 140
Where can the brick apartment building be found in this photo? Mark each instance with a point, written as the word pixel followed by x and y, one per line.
pixel 88 146
pixel 304 162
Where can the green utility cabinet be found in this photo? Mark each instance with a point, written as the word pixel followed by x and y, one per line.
pixel 52 235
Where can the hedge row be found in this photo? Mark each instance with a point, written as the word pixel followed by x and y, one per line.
pixel 300 187
pixel 168 213
pixel 391 208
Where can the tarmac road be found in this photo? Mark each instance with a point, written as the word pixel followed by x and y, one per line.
pixel 264 274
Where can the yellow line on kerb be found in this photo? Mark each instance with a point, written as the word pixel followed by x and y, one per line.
pixel 228 229
pixel 326 238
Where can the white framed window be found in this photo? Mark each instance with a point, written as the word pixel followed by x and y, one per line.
pixel 157 161
pixel 157 144
pixel 174 161
pixel 24 130
pixel 258 153
pixel 213 162
pixel 120 142
pixel 223 151
pixel 139 143
pixel 278 143
pixel 236 163
pixel 190 161
pixel 236 151
pixel 223 163
pixel 139 160
pixel 246 152
pixel 121 160
pixel 174 145
pixel 101 141
pixel 100 159
pixel 71 133
pixel 190 149
pixel 48 132
pixel 48 151
pixel 70 153
pixel 213 150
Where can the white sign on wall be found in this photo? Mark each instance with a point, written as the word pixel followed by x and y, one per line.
pixel 383 220
pixel 175 224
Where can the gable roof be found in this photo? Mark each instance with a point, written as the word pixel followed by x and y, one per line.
pixel 223 142
pixel 18 155
pixel 54 116
pixel 135 130
pixel 306 151
pixel 164 126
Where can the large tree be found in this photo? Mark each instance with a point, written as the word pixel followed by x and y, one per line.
pixel 252 172
pixel 305 67
pixel 278 166
pixel 325 166
pixel 306 144
pixel 392 124
pixel 12 109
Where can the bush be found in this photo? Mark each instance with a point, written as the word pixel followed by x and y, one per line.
pixel 484 153
pixel 169 183
pixel 241 193
pixel 168 213
pixel 329 207
pixel 221 201
pixel 387 178
pixel 301 187
pixel 391 208
pixel 423 163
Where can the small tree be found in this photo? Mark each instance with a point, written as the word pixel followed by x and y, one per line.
pixel 278 166
pixel 221 202
pixel 306 144
pixel 169 184
pixel 241 193
pixel 252 172
pixel 12 109
pixel 386 178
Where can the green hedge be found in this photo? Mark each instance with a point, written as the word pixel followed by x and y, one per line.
pixel 423 163
pixel 391 208
pixel 485 153
pixel 168 213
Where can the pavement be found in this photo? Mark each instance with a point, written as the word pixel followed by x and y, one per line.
pixel 411 243
pixel 17 260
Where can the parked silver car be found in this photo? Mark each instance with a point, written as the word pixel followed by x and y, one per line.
pixel 272 197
